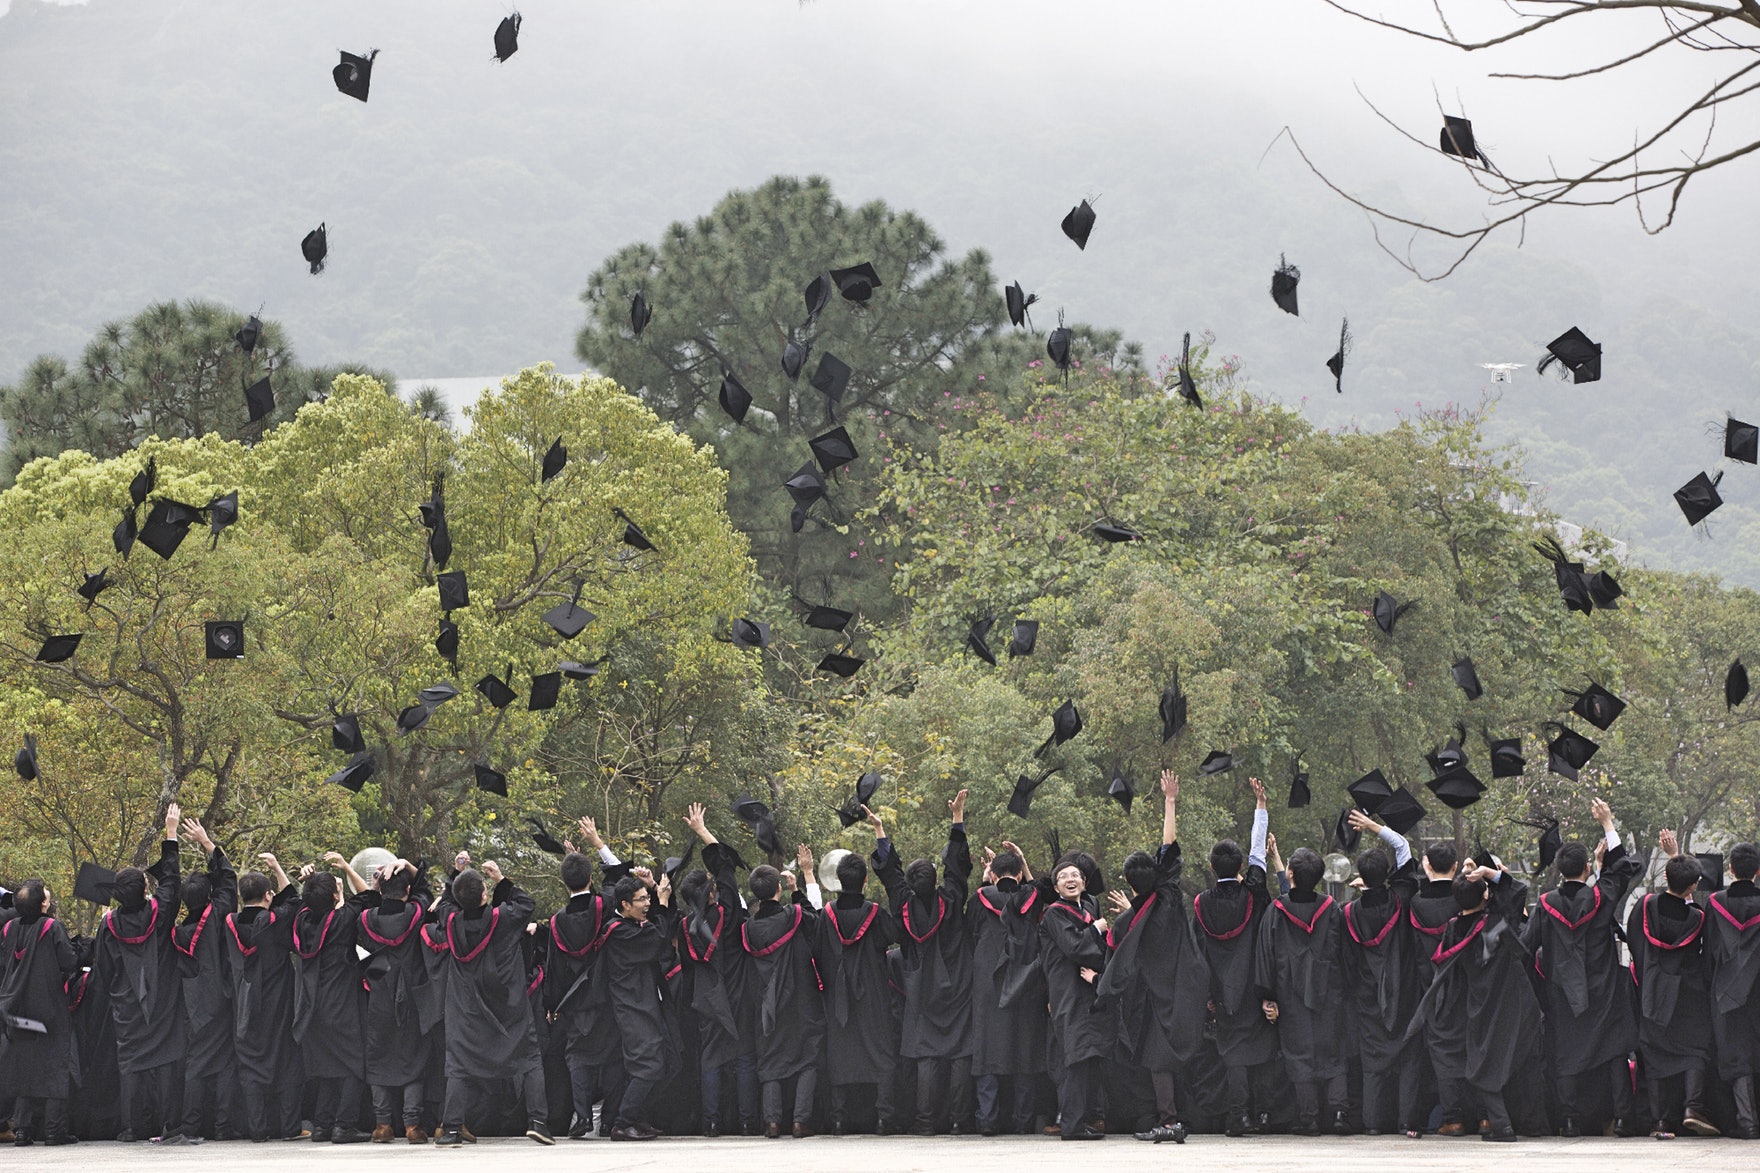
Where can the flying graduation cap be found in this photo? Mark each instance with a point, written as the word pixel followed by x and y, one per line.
pixel 125 533
pixel 259 400
pixel 1698 498
pixel 1457 139
pixel 817 295
pixel 1402 811
pixel 1216 762
pixel 555 460
pixel 497 691
pixel 545 691
pixel 315 246
pixel 1057 346
pixel 345 733
pixel 25 760
pixel 734 398
pixel 542 839
pixel 1596 705
pixel 167 525
pixel 1573 584
pixel 58 648
pixel 1344 836
pixel 1735 685
pixel 1109 532
pixel 1021 801
pixel 455 591
pixel 354 775
pixel 1335 364
pixel 749 633
pixel 840 664
pixel 831 376
pixel 95 883
pixel 1300 793
pixel 143 482
pixel 1467 677
pixel 1387 611
pixel 805 486
pixel 490 779
pixel 1283 286
pixel 355 74
pixel 222 512
pixel 1370 791
pixel 639 313
pixel 223 639
pixel 868 785
pixel 1506 756
pixel 1550 840
pixel 825 618
pixel 794 357
pixel 507 36
pixel 1172 708
pixel 834 449
pixel 1121 789
pixel 1568 751
pixel 1456 787
pixel 1024 638
pixel 93 586
pixel 978 639
pixel 247 335
pixel 1188 389
pixel 856 283
pixel 1079 223
pixel 1066 722
pixel 1573 351
pixel 1018 300
pixel 632 533
pixel 1741 441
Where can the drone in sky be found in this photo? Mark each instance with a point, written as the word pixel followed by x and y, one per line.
pixel 1500 371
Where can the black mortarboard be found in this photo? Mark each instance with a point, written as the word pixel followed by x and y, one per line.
pixel 1457 139
pixel 224 639
pixel 1018 301
pixel 842 665
pixel 674 864
pixel 345 733
pixel 354 775
pixel 123 536
pixel 167 525
pixel 735 399
pixel 433 510
pixel 354 74
pixel 413 718
pixel 867 786
pixel 749 633
pixel 1604 589
pixel 496 690
pixel 95 883
pixel 93 586
pixel 440 543
pixel 1506 757
pixel 574 670
pixel 1300 795
pixel 1172 709
pixel 1344 836
pixel 632 533
pixel 749 810
pixel 1450 755
pixel 569 619
pixel 1698 498
pixel 1335 364
pixel 1283 285
pixel 856 283
pixel 541 837
pixel 1741 441
pixel 143 481
pixel 850 813
pixel 25 760
pixel 222 512
pixel 436 695
pixel 817 295
pixel 1711 867
pixel 1188 389
pixel 1107 531
pixel 831 376
pixel 1022 799
pixel 797 517
pixel 1578 355
pixel 1402 811
pixel 978 639
pixel 446 643
pixel 794 357
pixel 1456 788
pixel 58 648
pixel 1079 223
pixel 827 618
pixel 764 831
pixel 1216 762
pixel 1057 345
pixel 455 591
pixel 259 399
pixel 546 688
pixel 834 449
pixel 1387 611
pixel 247 334
pixel 1568 751
pixel 1596 705
pixel 1550 842
pixel 1735 685
pixel 639 313
pixel 1025 637
pixel 490 779
pixel 806 485
pixel 507 36
pixel 314 247
pixel 1467 677
pixel 555 460
pixel 1370 791
pixel 1121 789
pixel 1573 584
pixel 1066 722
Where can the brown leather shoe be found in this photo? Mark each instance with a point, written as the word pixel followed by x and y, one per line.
pixel 1698 1125
pixel 382 1134
pixel 633 1132
pixel 801 1131
pixel 466 1135
pixel 772 1131
pixel 415 1135
pixel 1455 1129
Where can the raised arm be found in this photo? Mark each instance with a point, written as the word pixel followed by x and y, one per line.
pixel 693 819
pixel 956 861
pixel 222 880
pixel 1169 801
pixel 1402 851
pixel 356 883
pixel 1261 825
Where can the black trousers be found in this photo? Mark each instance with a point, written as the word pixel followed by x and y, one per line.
pixel 1023 1100
pixel 1577 1098
pixel 944 1091
pixel 805 1087
pixel 465 1096
pixel 203 1096
pixel 586 1079
pixel 1078 1093
pixel 271 1111
pixel 151 1092
pixel 1246 1089
pixel 1672 1096
pixel 385 1104
pixel 885 1111
pixel 1391 1095
pixel 48 1117
pixel 336 1104
pixel 1491 1103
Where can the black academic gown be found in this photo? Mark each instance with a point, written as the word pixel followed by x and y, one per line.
pixel 1069 943
pixel 207 986
pixel 96 1110
pixel 478 958
pixel 139 968
pixel 1227 917
pixel 1667 938
pixel 259 962
pixel 783 985
pixel 400 1001
pixel 1732 946
pixel 1481 1015
pixel 574 982
pixel 637 956
pixel 329 1005
pixel 36 961
pixel 1009 1020
pixel 1154 976
pixel 862 1032
pixel 1380 973
pixel 1587 993
pixel 711 982
pixel 936 953
pixel 1299 967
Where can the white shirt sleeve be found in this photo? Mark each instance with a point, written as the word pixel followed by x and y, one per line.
pixel 607 858
pixel 1402 851
pixel 1261 826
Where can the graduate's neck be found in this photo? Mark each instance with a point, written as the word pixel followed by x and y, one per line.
pixel 851 900
pixel 1007 884
pixel 1303 896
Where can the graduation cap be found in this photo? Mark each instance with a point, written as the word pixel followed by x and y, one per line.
pixel 1188 389
pixel 1457 139
pixel 1456 787
pixel 806 485
pixel 1107 531
pixel 496 690
pixel 546 688
pixel 413 718
pixel 817 295
pixel 1216 762
pixel 735 399
pixel 856 283
pixel 1335 364
pixel 354 775
pixel 1741 441
pixel 490 779
pixel 1573 585
pixel 749 810
pixel 314 247
pixel 794 357
pixel 1370 791
pixel 1387 611
pixel 1066 722
pixel 1345 836
pixel 1735 685
pixel 978 639
pixel 632 533
pixel 1467 677
pixel 1057 346
pixel 167 525
pixel 57 648
pixel 446 643
pixel 1568 751
pixel 541 837
pixel 25 760
pixel 1450 755
pixel 1596 705
pixel 1402 811
pixel 1022 799
pixel 1121 789
pixel 1079 223
pixel 834 449
pixel 455 591
pixel 639 313
pixel 433 510
pixel 1549 842
pixel 1172 708
pixel 570 619
pixel 1604 589
pixel 95 883
pixel 868 785
pixel 1024 639
pixel 573 670
pixel 764 831
pixel 749 633
pixel 507 36
pixel 440 543
pixel 246 335
pixel 840 664
pixel 1300 794
pixel 93 586
pixel 354 74
pixel 222 512
pixel 223 639
pixel 1573 351
pixel 345 733
pixel 1711 868
pixel 826 618
pixel 143 481
pixel 123 536
pixel 674 864
pixel 259 400
pixel 1018 300
pixel 555 460
pixel 1283 285
pixel 1506 756
pixel 831 376
pixel 1698 498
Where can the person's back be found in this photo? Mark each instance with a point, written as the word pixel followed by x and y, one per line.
pixel 1009 1021
pixel 1380 974
pixel 783 986
pixel 403 1007
pixel 1300 952
pixel 209 897
pixel 861 1030
pixel 259 964
pixel 1732 947
pixel 40 1066
pixel 1666 934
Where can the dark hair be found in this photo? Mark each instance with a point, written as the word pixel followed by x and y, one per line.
pixel 1373 867
pixel 694 887
pixel 1441 858
pixel 318 893
pixel 1093 879
pixel 1468 893
pixel 626 890
pixel 1226 860
pixel 852 873
pixel 577 871
pixel 467 889
pixel 1744 861
pixel 396 885
pixel 1140 872
pixel 252 887
pixel 197 891
pixel 1682 872
pixel 919 874
pixel 1305 869
pixel 765 881
pixel 130 887
pixel 30 898
pixel 1573 861
pixel 1006 865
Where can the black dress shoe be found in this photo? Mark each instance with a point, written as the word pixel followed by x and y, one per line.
pixel 342 1135
pixel 1569 1128
pixel 536 1131
pixel 1238 1126
pixel 711 1128
pixel 988 1128
pixel 1341 1126
pixel 1083 1133
pixel 632 1132
pixel 801 1131
pixel 1499 1135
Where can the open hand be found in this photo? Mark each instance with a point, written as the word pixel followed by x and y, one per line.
pixel 335 858
pixel 1670 845
pixel 956 806
pixel 1119 901
pixel 1169 784
pixel 1602 812
pixel 1258 792
pixel 1358 821
pixel 492 872
pixel 803 855
pixel 1089 975
pixel 874 822
pixel 193 828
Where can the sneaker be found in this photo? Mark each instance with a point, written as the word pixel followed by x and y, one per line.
pixel 448 1138
pixel 536 1131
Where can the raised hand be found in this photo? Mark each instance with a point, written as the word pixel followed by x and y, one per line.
pixel 193 828
pixel 1258 792
pixel 173 813
pixel 1602 812
pixel 663 890
pixel 590 832
pixel 803 855
pixel 306 871
pixel 956 806
pixel 1359 821
pixel 787 879
pixel 874 822
pixel 1670 845
pixel 645 875
pixel 1169 785
pixel 491 872
pixel 693 816
pixel 1119 901
pixel 461 861
pixel 336 858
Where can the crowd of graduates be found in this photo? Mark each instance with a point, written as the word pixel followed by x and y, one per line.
pixel 350 1008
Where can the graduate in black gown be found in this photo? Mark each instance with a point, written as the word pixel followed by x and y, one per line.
pixel 936 960
pixel 1432 908
pixel 1009 1020
pixel 95 1111
pixel 637 955
pixel 861 1028
pixel 39 1056
pixel 475 951
pixel 138 966
pixel 1073 956
pixel 1586 991
pixel 1381 981
pixel 402 1007
pixel 783 987
pixel 1666 934
pixel 575 997
pixel 209 897
pixel 1732 946
pixel 1154 976
pixel 329 1005
pixel 259 963
pixel 1302 986
pixel 1227 916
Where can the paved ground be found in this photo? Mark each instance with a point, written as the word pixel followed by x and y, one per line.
pixel 1280 1154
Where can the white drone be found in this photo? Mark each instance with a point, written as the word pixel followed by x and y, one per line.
pixel 1500 370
